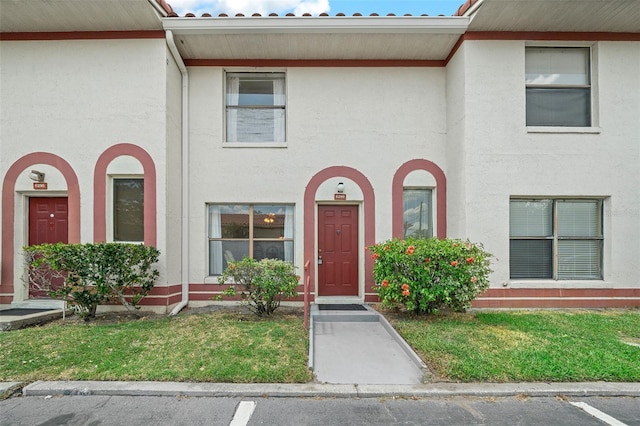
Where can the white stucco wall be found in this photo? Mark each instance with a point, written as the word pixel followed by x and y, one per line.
pixel 456 75
pixel 172 188
pixel 370 119
pixel 503 159
pixel 75 99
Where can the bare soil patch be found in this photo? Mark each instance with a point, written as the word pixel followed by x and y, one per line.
pixel 116 317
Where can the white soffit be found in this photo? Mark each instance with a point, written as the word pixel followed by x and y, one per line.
pixel 557 16
pixel 77 15
pixel 319 25
pixel 305 38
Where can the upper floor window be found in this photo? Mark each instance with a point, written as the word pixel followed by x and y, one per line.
pixel 128 209
pixel 417 213
pixel 558 86
pixel 556 239
pixel 255 107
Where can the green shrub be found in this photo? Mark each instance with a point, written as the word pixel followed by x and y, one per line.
pixel 424 275
pixel 263 284
pixel 96 274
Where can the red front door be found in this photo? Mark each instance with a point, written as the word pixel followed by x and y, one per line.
pixel 48 223
pixel 337 250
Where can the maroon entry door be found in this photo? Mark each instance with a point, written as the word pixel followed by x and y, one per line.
pixel 337 250
pixel 48 223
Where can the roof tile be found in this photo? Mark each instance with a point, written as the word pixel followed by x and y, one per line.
pixel 172 14
pixel 465 6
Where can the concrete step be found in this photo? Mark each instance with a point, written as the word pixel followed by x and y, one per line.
pixel 38 304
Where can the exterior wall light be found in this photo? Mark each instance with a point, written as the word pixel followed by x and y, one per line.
pixel 340 187
pixel 36 176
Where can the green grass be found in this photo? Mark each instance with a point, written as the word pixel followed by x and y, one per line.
pixel 241 348
pixel 528 346
pixel 219 347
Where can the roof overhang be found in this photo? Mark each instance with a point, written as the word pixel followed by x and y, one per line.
pixel 319 25
pixel 307 38
pixel 597 16
pixel 26 16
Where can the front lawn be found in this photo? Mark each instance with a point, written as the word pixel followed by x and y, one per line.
pixel 527 346
pixel 239 347
pixel 211 347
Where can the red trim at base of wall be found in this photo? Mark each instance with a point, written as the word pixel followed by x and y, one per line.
pixel 556 303
pixel 559 298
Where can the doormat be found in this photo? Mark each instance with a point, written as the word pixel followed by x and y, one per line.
pixel 18 312
pixel 341 307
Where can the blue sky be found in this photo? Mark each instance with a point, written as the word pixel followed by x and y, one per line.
pixel 315 7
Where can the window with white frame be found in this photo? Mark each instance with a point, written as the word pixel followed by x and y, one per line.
pixel 128 209
pixel 258 231
pixel 558 239
pixel 255 107
pixel 417 212
pixel 558 86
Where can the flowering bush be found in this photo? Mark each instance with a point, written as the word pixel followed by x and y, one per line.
pixel 263 284
pixel 424 275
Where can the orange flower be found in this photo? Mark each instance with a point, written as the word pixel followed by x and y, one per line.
pixel 405 292
pixel 385 283
pixel 405 287
pixel 474 279
pixel 454 263
pixel 410 249
pixel 387 248
pixel 455 244
pixel 470 259
pixel 374 256
pixel 298 277
pixel 427 260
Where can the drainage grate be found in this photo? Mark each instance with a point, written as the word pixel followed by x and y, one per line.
pixel 341 307
pixel 19 312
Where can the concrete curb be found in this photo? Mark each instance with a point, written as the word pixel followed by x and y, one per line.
pixel 314 390
pixel 8 388
pixel 10 322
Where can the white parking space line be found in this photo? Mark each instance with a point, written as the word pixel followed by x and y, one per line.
pixel 243 413
pixel 598 414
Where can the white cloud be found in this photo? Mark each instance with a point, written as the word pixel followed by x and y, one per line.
pixel 314 7
pixel 248 7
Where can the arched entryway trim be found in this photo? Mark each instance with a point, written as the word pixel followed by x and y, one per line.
pixel 100 191
pixel 310 215
pixel 8 209
pixel 441 195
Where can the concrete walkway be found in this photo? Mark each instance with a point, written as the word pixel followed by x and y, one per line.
pixel 360 347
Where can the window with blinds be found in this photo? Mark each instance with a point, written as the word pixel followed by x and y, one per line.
pixel 557 239
pixel 255 104
pixel 558 86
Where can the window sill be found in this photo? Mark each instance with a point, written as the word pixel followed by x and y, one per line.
pixel 546 283
pixel 254 145
pixel 559 129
